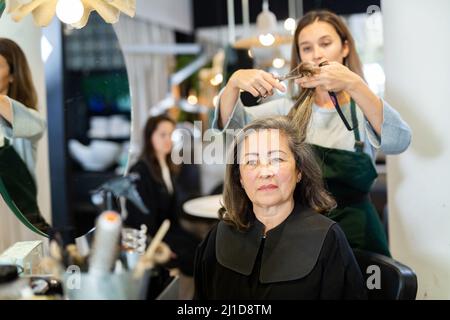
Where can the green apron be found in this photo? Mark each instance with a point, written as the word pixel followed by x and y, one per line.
pixel 18 189
pixel 349 176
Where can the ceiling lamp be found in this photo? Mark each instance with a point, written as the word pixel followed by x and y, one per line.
pixel 266 25
pixel 278 63
pixel 73 12
pixel 289 25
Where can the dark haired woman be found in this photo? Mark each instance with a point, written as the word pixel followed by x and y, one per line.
pixel 158 190
pixel 21 127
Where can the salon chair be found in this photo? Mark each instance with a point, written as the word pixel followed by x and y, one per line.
pixel 398 281
pixel 171 292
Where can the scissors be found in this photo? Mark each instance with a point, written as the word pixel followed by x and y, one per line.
pixel 291 75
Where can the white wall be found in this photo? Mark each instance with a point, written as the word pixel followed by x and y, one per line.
pixel 417 66
pixel 28 37
pixel 173 14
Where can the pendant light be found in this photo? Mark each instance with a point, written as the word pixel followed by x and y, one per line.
pixel 266 35
pixel 73 12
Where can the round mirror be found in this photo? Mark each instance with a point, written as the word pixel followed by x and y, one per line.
pixel 86 105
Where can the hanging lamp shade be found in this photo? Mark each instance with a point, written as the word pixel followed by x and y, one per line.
pixel 266 21
pixel 44 10
pixel 267 36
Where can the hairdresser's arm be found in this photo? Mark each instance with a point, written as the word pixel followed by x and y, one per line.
pixel 368 102
pixel 256 82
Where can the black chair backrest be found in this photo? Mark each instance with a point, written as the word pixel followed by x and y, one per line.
pixel 171 291
pixel 397 281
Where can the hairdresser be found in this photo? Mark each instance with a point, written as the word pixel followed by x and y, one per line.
pixel 347 157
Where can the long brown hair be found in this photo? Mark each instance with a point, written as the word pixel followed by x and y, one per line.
pixel 301 112
pixel 21 88
pixel 352 60
pixel 309 191
pixel 148 153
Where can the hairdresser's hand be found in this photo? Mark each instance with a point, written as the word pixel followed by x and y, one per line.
pixel 332 77
pixel 257 82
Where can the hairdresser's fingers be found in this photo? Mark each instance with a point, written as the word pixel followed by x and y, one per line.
pixel 315 83
pixel 274 82
pixel 251 90
pixel 307 79
pixel 263 87
pixel 252 81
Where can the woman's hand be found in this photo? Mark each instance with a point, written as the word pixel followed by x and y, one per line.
pixel 332 77
pixel 257 82
pixel 337 77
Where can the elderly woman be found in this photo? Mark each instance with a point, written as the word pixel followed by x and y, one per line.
pixel 273 241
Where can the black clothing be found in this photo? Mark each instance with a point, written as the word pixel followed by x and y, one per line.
pixel 305 257
pixel 162 205
pixel 18 189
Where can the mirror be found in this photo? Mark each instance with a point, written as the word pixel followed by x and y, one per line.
pixel 98 116
pixel 92 124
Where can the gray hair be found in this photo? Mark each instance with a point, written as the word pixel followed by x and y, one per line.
pixel 309 191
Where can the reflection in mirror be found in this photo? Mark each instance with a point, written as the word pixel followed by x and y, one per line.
pixel 95 130
pixel 21 127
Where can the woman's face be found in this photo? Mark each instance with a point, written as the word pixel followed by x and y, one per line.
pixel 162 138
pixel 267 168
pixel 5 76
pixel 320 42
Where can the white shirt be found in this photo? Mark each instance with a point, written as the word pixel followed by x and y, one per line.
pixel 166 176
pixel 327 129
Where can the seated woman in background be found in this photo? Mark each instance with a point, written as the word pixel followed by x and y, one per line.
pixel 21 127
pixel 273 241
pixel 157 189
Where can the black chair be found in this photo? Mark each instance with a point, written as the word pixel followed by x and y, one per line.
pixel 397 281
pixel 171 291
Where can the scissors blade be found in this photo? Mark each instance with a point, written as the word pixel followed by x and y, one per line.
pixel 288 77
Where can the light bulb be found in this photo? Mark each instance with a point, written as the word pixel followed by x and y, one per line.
pixel 278 63
pixel 218 78
pixel 215 101
pixel 192 99
pixel 69 11
pixel 289 24
pixel 266 39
